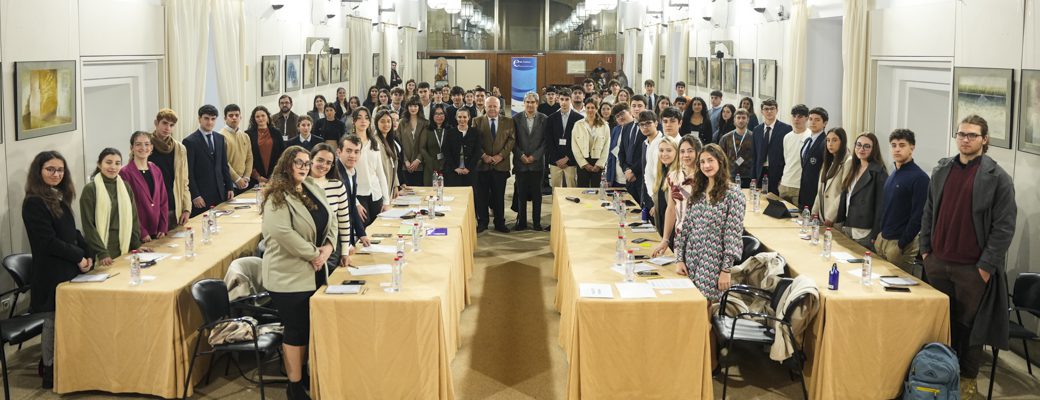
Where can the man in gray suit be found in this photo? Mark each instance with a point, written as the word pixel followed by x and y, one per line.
pixel 529 161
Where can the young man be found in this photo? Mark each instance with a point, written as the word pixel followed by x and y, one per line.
pixel 284 119
pixel 563 169
pixel 209 178
pixel 239 148
pixel 479 97
pixel 425 98
pixel 905 193
pixel 497 137
pixel 469 100
pixel 651 97
pixel 680 89
pixel 790 182
pixel 550 106
pixel 715 110
pixel 812 158
pixel 529 162
pixel 348 154
pixel 457 96
pixel 967 226
pixel 630 150
pixel 615 87
pixel 651 146
pixel 738 146
pixel 172 159
pixel 768 147
pixel 680 103
pixel 578 100
pixel 396 97
pixel 588 86
pixel 395 78
pixel 623 119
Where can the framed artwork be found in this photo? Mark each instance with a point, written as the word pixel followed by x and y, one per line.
pixel 375 65
pixel 335 76
pixel 729 75
pixel 702 72
pixel 691 71
pixel 1 103
pixel 766 79
pixel 45 98
pixel 987 93
pixel 576 67
pixel 1029 112
pixel 639 64
pixel 292 73
pixel 270 76
pixel 310 63
pixel 716 74
pixel 344 68
pixel 746 77
pixel 324 63
pixel 662 62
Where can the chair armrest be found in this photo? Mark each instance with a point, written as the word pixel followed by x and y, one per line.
pixel 253 298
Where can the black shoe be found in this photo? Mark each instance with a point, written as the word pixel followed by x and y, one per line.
pixel 548 227
pixel 520 227
pixel 295 391
pixel 306 380
pixel 538 227
pixel 481 229
pixel 502 229
pixel 48 376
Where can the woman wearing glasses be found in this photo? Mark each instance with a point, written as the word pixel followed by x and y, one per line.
pixel 432 154
pixel 299 231
pixel 863 192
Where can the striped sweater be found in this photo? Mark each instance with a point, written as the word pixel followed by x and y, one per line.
pixel 336 194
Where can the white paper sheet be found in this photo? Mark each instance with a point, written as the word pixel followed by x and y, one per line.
pixel 638 267
pixel 395 213
pixel 343 289
pixel 242 201
pixel 595 290
pixel 661 261
pixel 150 256
pixel 858 273
pixel 671 283
pixel 81 278
pixel 842 256
pixel 377 269
pixel 635 290
pixel 379 249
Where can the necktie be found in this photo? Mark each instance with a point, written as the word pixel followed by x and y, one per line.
pixel 769 131
pixel 494 132
pixel 209 141
pixel 806 147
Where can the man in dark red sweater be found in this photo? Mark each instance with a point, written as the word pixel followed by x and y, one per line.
pixel 967 226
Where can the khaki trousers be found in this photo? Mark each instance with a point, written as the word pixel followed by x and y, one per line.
pixel 790 194
pixel 902 258
pixel 561 177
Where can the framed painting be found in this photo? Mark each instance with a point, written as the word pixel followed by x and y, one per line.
pixel 375 65
pixel 985 92
pixel 729 75
pixel 292 73
pixel 702 72
pixel 324 63
pixel 661 68
pixel 766 79
pixel 639 64
pixel 1029 112
pixel 45 98
pixel 716 74
pixel 691 71
pixel 310 64
pixel 746 77
pixel 335 76
pixel 344 68
pixel 270 76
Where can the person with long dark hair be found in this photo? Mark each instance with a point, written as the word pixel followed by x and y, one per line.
pixel 390 156
pixel 326 175
pixel 373 192
pixel 373 98
pixel 317 111
pixel 411 133
pixel 59 251
pixel 697 121
pixel 748 104
pixel 462 151
pixel 381 83
pixel 727 122
pixel 341 103
pixel 267 144
pixel 107 208
pixel 331 128
pixel 863 192
pixel 146 182
pixel 432 148
pixel 836 163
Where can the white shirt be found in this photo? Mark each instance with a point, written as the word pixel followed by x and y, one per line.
pixel 793 142
pixel 650 174
pixel 371 181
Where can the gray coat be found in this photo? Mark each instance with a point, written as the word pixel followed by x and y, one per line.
pixel 529 142
pixel 993 214
pixel 867 197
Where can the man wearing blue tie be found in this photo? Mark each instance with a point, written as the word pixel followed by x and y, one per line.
pixel 768 147
pixel 623 132
pixel 812 157
pixel 497 136
pixel 209 179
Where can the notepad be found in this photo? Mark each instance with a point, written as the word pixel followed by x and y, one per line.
pixel 83 278
pixel 395 213
pixel 376 269
pixel 343 289
pixel 897 281
pixel 146 257
pixel 671 283
pixel 635 290
pixel 379 249
pixel 237 201
pixel 595 290
pixel 437 232
pixel 661 261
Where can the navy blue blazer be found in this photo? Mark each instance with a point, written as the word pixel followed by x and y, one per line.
pixel 630 154
pixel 357 229
pixel 812 161
pixel 773 152
pixel 560 138
pixel 208 173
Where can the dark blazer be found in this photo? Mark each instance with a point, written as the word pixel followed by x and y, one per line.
pixel 501 144
pixel 704 130
pixel 296 141
pixel 468 148
pixel 555 132
pixel 432 153
pixel 57 248
pixel 277 148
pixel 357 229
pixel 867 198
pixel 812 161
pixel 774 152
pixel 529 143
pixel 208 173
pixel 630 155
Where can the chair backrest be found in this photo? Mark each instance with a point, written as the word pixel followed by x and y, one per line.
pixel 1027 292
pixel 751 247
pixel 778 292
pixel 211 296
pixel 20 268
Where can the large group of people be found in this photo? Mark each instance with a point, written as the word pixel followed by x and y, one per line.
pixel 326 174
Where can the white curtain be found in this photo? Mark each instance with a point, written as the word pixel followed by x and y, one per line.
pixel 650 53
pixel 632 41
pixel 229 48
pixel 407 58
pixel 389 49
pixel 855 52
pixel 792 70
pixel 359 37
pixel 187 37
pixel 676 57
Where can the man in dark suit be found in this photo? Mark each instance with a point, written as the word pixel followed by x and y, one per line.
pixel 562 167
pixel 629 152
pixel 209 179
pixel 457 95
pixel 768 147
pixel 812 157
pixel 529 162
pixel 651 97
pixel 348 154
pixel 497 135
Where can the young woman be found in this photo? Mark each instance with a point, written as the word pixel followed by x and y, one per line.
pixel 341 104
pixel 409 89
pixel 331 128
pixel 384 124
pixel 59 251
pixel 432 147
pixel 384 98
pixel 462 151
pixel 267 143
pixel 622 96
pixel 667 164
pixel 591 146
pixel 381 83
pixel 373 98
pixel 305 139
pixel 299 231
pixel 862 192
pixel 696 120
pixel 146 182
pixel 749 105
pixel 662 103
pixel 372 187
pixel 318 112
pixel 411 133
pixel 709 241
pixel 680 185
pixel 107 207
pixel 324 173
pixel 726 124
pixel 604 114
pixel 835 164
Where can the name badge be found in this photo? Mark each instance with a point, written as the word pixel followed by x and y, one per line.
pixel 740 160
pixel 563 142
pixel 440 156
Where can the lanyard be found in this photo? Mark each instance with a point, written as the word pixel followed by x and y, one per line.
pixel 439 136
pixel 742 137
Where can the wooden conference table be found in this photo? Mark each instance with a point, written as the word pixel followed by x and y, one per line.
pixel 118 338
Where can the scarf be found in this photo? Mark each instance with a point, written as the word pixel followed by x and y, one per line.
pixel 164 146
pixel 103 212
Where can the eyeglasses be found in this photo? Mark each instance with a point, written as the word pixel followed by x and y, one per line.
pixel 864 146
pixel 968 136
pixel 301 164
pixel 55 171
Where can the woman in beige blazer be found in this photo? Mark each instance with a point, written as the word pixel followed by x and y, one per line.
pixel 591 145
pixel 299 232
pixel 836 164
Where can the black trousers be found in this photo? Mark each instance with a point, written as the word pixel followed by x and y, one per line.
pixel 490 192
pixel 965 286
pixel 635 189
pixel 372 208
pixel 528 185
pixel 588 179
pixel 451 179
pixel 412 179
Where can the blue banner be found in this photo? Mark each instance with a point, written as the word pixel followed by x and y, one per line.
pixel 525 79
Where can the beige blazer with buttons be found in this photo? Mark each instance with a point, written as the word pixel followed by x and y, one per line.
pixel 289 234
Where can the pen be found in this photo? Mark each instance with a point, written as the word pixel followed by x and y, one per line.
pixel 113 274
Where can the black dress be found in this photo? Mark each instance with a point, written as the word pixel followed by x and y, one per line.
pixel 57 248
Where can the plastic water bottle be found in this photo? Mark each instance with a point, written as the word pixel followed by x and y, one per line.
pixel 832 280
pixel 630 267
pixel 438 184
pixel 814 230
pixel 215 229
pixel 805 221
pixel 135 268
pixel 395 276
pixel 189 244
pixel 416 234
pixel 400 246
pixel 431 206
pixel 206 232
pixel 754 195
pixel 828 241
pixel 737 179
pixel 868 269
pixel 259 197
pixel 619 251
pixel 602 187
pixel 621 231
pixel 765 184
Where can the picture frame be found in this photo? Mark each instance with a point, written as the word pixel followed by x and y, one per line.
pixel 375 65
pixel 335 76
pixel 691 71
pixel 2 131
pixel 292 73
pixel 986 92
pixel 1029 111
pixel 45 98
pixel 639 64
pixel 576 67
pixel 310 73
pixel 766 79
pixel 729 75
pixel 661 68
pixel 270 75
pixel 746 77
pixel 702 72
pixel 344 68
pixel 716 73
pixel 324 65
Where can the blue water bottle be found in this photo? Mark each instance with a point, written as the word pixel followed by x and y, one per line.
pixel 645 216
pixel 832 282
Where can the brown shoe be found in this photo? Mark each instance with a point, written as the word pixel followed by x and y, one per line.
pixel 969 388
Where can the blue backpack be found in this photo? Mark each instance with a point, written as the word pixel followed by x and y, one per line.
pixel 934 374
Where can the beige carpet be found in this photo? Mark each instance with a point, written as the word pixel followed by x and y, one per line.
pixel 509 340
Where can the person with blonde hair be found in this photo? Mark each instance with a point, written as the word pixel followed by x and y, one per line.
pixel 591 146
pixel 667 164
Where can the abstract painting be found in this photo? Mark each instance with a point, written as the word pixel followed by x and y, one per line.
pixel 45 96
pixel 270 76
pixel 729 75
pixel 716 74
pixel 746 77
pixel 292 73
pixel 1029 112
pixel 987 93
pixel 335 76
pixel 766 79
pixel 310 62
pixel 324 63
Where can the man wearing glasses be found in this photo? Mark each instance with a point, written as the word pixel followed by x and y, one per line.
pixel 905 193
pixel 769 147
pixel 967 227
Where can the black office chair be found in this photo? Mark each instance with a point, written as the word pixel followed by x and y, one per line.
pixel 751 247
pixel 743 327
pixel 1026 297
pixel 212 298
pixel 17 329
